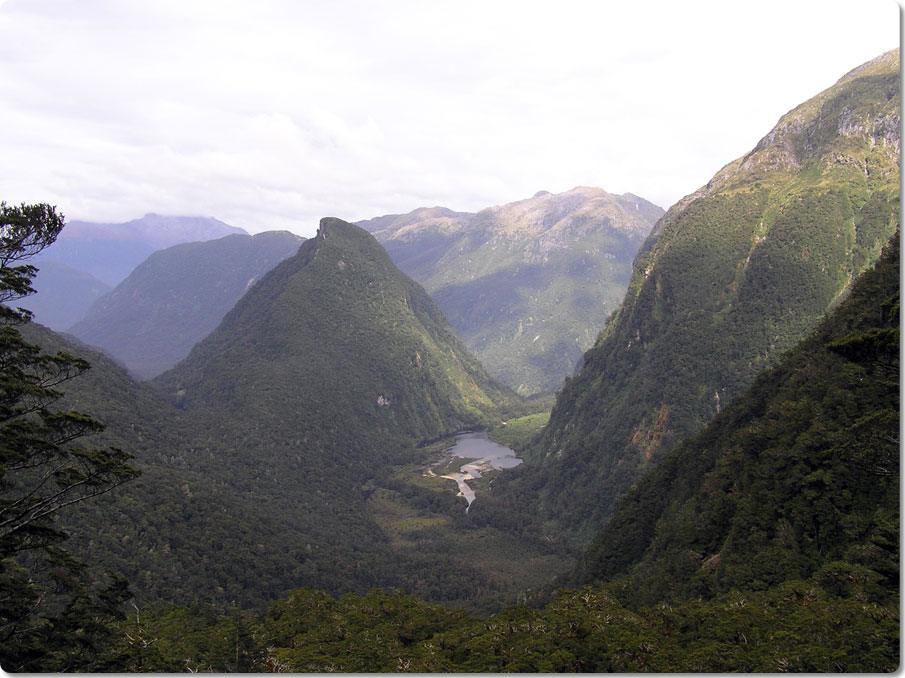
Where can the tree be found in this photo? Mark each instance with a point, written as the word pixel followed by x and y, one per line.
pixel 41 471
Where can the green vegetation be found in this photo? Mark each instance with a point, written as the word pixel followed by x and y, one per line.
pixel 798 478
pixel 525 285
pixel 49 601
pixel 732 278
pixel 767 543
pixel 177 296
pixel 517 433
pixel 797 626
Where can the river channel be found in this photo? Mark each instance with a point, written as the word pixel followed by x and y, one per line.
pixel 484 455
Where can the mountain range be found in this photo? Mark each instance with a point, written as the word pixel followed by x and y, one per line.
pixel 294 421
pixel 90 258
pixel 526 285
pixel 177 296
pixel 717 487
pixel 731 277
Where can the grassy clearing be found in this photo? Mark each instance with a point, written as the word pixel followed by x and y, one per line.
pixel 518 433
pixel 416 523
pixel 421 515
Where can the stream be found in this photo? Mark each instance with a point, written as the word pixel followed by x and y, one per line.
pixel 486 455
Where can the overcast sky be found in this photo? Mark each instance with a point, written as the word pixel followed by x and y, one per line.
pixel 272 114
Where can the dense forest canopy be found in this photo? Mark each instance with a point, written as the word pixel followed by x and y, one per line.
pixel 717 489
pixel 731 278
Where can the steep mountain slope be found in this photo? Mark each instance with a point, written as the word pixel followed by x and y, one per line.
pixel 327 372
pixel 732 276
pixel 63 295
pixel 526 285
pixel 177 296
pixel 178 532
pixel 798 475
pixel 88 259
pixel 339 328
pixel 766 543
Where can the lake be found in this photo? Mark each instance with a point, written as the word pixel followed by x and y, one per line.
pixel 484 455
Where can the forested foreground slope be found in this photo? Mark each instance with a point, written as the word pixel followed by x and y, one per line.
pixel 767 543
pixel 293 419
pixel 731 277
pixel 800 475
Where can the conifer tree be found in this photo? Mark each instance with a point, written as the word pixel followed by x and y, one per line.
pixel 46 596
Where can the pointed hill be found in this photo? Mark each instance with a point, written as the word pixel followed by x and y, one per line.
pixel 177 296
pixel 526 285
pixel 338 328
pixel 314 388
pixel 731 277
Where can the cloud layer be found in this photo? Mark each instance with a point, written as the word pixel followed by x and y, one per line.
pixel 273 114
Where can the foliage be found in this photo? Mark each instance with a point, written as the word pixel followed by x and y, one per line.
pixel 52 613
pixel 525 285
pixel 794 626
pixel 732 277
pixel 517 433
pixel 799 477
pixel 177 296
pixel 759 545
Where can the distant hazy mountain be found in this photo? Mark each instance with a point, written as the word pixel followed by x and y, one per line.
pixel 177 296
pixel 63 295
pixel 731 277
pixel 110 252
pixel 526 285
pixel 156 230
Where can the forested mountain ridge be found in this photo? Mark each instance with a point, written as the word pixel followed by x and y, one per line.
pixel 90 258
pixel 730 278
pixel 341 305
pixel 177 296
pixel 766 543
pixel 799 473
pixel 528 284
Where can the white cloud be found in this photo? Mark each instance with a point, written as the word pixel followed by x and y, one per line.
pixel 273 114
